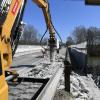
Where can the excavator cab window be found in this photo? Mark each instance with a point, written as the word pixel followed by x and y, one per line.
pixel 4 8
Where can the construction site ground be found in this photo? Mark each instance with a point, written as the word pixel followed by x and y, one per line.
pixel 82 87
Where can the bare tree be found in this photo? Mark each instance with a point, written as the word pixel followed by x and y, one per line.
pixel 69 41
pixel 79 34
pixel 92 33
pixel 30 35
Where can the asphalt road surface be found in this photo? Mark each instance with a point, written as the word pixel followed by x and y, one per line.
pixel 28 60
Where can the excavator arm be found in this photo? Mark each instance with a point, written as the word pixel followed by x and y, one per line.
pixel 45 8
pixel 44 5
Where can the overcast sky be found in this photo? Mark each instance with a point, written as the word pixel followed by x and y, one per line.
pixel 66 15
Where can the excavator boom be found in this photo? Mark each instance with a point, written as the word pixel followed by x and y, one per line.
pixel 44 5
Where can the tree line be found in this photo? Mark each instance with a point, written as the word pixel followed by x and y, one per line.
pixel 81 34
pixel 31 36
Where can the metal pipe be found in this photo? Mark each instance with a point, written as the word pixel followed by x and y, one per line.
pixel 10 77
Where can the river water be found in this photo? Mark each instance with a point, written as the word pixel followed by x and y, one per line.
pixel 93 61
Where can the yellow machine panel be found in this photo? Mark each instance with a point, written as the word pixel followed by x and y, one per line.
pixel 92 2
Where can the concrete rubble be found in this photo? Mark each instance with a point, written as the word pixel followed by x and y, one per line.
pixel 82 87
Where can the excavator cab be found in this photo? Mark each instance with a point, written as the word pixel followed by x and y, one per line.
pixel 15 31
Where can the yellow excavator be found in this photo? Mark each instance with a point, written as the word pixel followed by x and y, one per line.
pixel 11 14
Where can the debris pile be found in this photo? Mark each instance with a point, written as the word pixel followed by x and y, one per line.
pixel 82 87
pixel 78 87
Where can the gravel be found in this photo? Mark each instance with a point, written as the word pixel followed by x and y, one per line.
pixel 82 88
pixel 25 91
